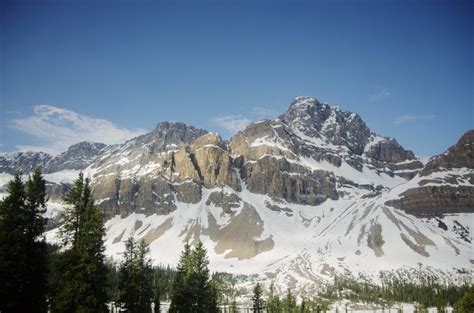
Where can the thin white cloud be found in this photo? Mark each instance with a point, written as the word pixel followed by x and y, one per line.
pixel 264 113
pixel 409 118
pixel 59 128
pixel 231 123
pixel 381 94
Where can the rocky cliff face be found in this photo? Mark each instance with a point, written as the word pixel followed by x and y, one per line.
pixel 302 197
pixel 445 184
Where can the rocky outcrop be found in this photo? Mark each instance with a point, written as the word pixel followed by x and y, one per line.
pixel 317 120
pixel 458 156
pixel 281 179
pixel 436 200
pixel 24 162
pixel 213 161
pixel 390 151
pixel 445 184
pixel 77 157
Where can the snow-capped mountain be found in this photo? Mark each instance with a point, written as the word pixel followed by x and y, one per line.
pixel 295 199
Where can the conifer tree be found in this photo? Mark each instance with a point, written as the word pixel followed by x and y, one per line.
pixel 136 278
pixel 180 301
pixel 273 301
pixel 257 300
pixel 23 250
pixel 80 284
pixel 289 303
pixel 192 291
pixel 199 277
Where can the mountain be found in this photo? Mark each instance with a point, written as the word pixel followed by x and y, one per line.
pixel 296 199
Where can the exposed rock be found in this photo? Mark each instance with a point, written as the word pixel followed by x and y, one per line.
pixel 435 200
pixel 375 240
pixel 239 235
pixel 279 178
pixel 214 163
pixel 390 151
pixel 458 156
pixel 227 202
pixel 447 187
pixel 77 157
pixel 316 119
pixel 24 162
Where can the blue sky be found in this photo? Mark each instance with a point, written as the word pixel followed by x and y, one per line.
pixel 109 70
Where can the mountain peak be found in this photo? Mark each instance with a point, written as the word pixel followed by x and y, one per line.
pixel 303 102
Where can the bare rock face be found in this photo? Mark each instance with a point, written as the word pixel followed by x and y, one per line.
pixel 315 120
pixel 167 136
pixel 436 200
pixel 281 179
pixel 458 156
pixel 390 151
pixel 77 157
pixel 445 184
pixel 213 161
pixel 24 162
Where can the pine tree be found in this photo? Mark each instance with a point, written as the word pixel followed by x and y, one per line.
pixel 136 278
pixel 273 302
pixel 23 251
pixel 80 285
pixel 179 291
pixel 212 303
pixel 192 290
pixel 257 300
pixel 199 278
pixel 289 303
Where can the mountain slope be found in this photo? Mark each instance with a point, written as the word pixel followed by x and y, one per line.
pixel 297 199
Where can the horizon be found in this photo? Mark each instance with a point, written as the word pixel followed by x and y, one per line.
pixel 108 72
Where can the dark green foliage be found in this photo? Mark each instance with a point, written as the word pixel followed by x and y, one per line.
pixel 192 289
pixel 257 299
pixel 80 284
pixel 163 278
pixel 23 251
pixel 289 302
pixel 273 301
pixel 136 278
pixel 408 286
pixel 466 303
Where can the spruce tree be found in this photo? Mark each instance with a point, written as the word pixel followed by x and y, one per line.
pixel 273 302
pixel 199 278
pixel 257 300
pixel 136 278
pixel 192 291
pixel 80 285
pixel 289 303
pixel 23 250
pixel 180 291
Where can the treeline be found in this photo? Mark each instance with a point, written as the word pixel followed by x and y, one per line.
pixel 287 304
pixel 75 276
pixel 407 286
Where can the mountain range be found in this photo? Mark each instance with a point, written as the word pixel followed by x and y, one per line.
pixel 296 199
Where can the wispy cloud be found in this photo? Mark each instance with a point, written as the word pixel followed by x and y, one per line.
pixel 381 94
pixel 231 123
pixel 263 112
pixel 409 118
pixel 58 128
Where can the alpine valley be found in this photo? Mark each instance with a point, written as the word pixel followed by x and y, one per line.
pixel 296 199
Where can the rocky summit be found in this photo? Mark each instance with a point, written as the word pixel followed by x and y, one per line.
pixel 298 198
